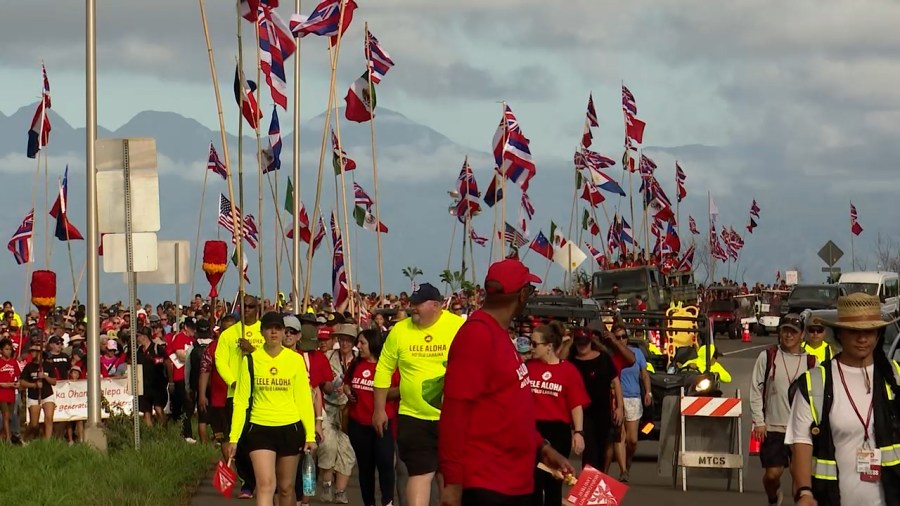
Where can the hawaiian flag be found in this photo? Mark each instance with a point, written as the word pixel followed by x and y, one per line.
pixel 65 231
pixel 680 178
pixel 494 192
pixel 542 246
pixel 512 154
pixel 588 223
pixel 715 246
pixel 629 105
pixel 592 162
pixel 590 121
pixel 20 243
pixel 527 206
pixel 477 239
pixel 246 100
pixel 39 134
pixel 324 20
pixel 339 157
pixel 687 261
pixel 248 9
pixel 379 59
pixel 598 255
pixel 591 194
pixel 587 158
pixel 273 154
pixel 693 225
pixel 339 285
pixel 251 232
pixel 276 45
pixel 467 188
pixel 647 167
pixel 214 163
pixel 754 209
pixel 855 227
pixel 360 197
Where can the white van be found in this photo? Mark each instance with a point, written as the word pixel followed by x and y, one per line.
pixel 884 285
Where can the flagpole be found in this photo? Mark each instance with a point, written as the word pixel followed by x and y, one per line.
pixel 503 178
pixel 239 219
pixel 48 251
pixel 452 242
pixel 571 219
pixel 314 221
pixel 496 211
pixel 677 203
pixel 343 191
pixel 712 266
pixel 852 248
pixel 295 216
pixel 375 183
pixel 472 256
pixel 68 243
pixel 260 175
pixel 199 225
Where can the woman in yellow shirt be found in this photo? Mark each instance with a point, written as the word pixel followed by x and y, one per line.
pixel 273 396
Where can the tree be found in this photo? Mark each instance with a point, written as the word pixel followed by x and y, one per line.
pixel 456 280
pixel 887 253
pixel 412 273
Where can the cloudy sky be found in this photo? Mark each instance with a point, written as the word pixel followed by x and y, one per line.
pixel 798 100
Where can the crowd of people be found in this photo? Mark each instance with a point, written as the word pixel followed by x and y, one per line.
pixel 462 388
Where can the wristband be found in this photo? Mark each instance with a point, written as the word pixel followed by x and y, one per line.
pixel 799 493
pixel 579 432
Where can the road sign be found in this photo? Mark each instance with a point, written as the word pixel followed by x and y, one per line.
pixel 166 273
pixel 115 255
pixel 144 182
pixel 830 253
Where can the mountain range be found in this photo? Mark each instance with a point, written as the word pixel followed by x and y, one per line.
pixel 417 165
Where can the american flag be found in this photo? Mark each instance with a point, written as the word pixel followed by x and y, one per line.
pixel 477 239
pixel 340 161
pixel 20 243
pixel 527 206
pixel 339 285
pixel 215 164
pixel 513 236
pixel 855 227
pixel 512 154
pixel 225 214
pixel 251 232
pixel 276 45
pixel 360 197
pixel 693 225
pixel 39 134
pixel 379 59
pixel 273 154
pixel 628 103
pixel 324 20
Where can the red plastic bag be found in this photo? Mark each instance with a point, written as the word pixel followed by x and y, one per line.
pixel 595 488
pixel 755 443
pixel 224 478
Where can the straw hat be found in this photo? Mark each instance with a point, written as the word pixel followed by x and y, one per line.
pixel 857 311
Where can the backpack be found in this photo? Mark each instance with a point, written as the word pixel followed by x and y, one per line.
pixel 194 358
pixel 771 352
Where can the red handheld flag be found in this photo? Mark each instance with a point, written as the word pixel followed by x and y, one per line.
pixel 224 479
pixel 596 488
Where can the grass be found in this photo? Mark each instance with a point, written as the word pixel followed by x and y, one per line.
pixel 165 471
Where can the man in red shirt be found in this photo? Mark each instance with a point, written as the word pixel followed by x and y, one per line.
pixel 177 350
pixel 488 443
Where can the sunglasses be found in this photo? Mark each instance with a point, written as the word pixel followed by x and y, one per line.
pixel 816 330
pixel 621 337
pixel 291 331
pixel 535 344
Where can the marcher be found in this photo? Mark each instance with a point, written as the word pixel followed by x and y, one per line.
pixel 775 370
pixel 559 401
pixel 177 349
pixel 418 348
pixel 372 451
pixel 815 343
pixel 489 442
pixel 273 399
pixel 213 392
pixel 9 383
pixel 336 456
pixel 38 378
pixel 152 358
pixel 845 419
pixel 636 395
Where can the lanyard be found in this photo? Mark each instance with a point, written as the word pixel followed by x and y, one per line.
pixel 796 372
pixel 865 423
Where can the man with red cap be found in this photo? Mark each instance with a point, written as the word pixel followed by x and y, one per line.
pixel 489 443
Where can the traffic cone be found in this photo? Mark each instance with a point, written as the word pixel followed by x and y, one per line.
pixel 745 337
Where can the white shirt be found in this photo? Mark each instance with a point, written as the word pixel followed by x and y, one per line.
pixel 846 431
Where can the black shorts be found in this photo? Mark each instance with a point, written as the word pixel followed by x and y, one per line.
pixel 284 440
pixel 154 397
pixel 773 452
pixel 417 444
pixel 219 419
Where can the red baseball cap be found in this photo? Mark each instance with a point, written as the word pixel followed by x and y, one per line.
pixel 510 274
pixel 324 333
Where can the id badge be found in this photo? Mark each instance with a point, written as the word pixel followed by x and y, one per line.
pixel 868 464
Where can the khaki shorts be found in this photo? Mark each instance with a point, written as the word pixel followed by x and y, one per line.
pixel 634 409
pixel 335 451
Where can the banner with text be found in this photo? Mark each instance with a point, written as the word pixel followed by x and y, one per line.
pixel 71 398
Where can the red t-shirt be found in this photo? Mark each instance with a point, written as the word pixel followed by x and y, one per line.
pixel 218 390
pixel 488 437
pixel 179 341
pixel 360 381
pixel 317 367
pixel 557 389
pixel 9 373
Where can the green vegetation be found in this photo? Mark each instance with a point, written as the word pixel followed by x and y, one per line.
pixel 165 471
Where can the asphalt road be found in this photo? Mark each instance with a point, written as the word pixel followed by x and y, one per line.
pixel 646 487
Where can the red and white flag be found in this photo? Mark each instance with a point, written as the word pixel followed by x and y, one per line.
pixel 595 488
pixel 855 227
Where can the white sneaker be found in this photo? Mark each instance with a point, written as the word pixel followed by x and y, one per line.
pixel 190 440
pixel 327 492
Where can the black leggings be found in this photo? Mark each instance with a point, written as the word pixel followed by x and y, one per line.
pixel 182 408
pixel 373 452
pixel 547 489
pixel 596 437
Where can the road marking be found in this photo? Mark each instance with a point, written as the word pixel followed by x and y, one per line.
pixel 746 349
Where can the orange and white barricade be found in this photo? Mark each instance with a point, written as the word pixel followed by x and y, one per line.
pixel 714 424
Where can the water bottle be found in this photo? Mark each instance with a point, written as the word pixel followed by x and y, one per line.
pixel 309 475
